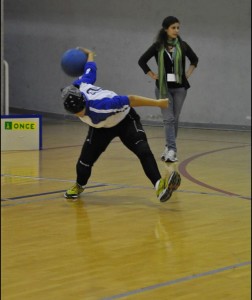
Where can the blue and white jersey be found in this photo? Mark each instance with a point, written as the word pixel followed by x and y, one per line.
pixel 104 108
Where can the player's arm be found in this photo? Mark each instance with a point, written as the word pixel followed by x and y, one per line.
pixel 90 69
pixel 143 101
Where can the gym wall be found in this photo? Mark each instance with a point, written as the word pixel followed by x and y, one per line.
pixel 37 33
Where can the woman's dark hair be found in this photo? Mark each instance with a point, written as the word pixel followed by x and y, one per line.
pixel 161 38
pixel 168 21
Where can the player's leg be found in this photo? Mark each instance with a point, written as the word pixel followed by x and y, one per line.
pixel 134 138
pixel 96 142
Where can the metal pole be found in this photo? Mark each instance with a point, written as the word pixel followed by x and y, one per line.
pixel 6 87
pixel 2 51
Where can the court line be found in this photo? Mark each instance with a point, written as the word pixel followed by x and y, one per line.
pixel 117 187
pixel 99 184
pixel 175 281
pixel 149 138
pixel 183 165
pixel 36 178
pixel 49 199
pixel 48 193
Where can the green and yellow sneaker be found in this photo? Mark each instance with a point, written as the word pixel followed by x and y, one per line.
pixel 167 186
pixel 74 191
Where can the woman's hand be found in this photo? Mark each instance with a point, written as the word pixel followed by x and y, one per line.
pixel 152 75
pixel 189 71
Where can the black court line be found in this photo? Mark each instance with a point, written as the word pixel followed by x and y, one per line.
pixel 119 186
pixel 51 199
pixel 149 138
pixel 175 281
pixel 48 193
pixel 185 173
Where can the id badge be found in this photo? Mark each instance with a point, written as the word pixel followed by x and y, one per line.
pixel 171 77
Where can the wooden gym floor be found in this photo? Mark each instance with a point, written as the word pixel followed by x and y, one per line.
pixel 118 241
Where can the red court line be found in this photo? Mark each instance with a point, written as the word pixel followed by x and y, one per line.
pixel 182 169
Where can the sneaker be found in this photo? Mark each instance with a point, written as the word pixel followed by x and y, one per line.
pixel 74 191
pixel 167 186
pixel 170 156
pixel 164 153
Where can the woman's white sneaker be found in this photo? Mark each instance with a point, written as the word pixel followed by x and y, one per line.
pixel 170 156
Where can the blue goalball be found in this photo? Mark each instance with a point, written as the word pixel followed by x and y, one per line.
pixel 73 62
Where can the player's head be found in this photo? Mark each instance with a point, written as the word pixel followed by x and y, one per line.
pixel 74 100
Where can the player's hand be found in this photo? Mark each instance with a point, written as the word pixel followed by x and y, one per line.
pixel 90 53
pixel 85 50
pixel 163 103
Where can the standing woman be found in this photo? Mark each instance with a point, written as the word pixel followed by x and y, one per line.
pixel 170 52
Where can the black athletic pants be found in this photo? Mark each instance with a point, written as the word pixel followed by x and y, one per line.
pixel 132 135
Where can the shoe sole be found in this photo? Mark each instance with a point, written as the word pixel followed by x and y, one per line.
pixel 173 184
pixel 70 196
pixel 171 160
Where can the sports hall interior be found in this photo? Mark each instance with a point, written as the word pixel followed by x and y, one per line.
pixel 118 241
